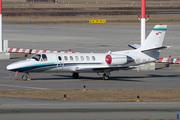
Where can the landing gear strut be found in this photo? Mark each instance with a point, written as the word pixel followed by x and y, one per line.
pixel 105 77
pixel 25 76
pixel 75 75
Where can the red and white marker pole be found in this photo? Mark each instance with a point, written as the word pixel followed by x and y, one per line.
pixel 143 21
pixel 1 41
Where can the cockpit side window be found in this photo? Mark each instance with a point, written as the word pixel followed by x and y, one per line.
pixel 36 57
pixel 44 57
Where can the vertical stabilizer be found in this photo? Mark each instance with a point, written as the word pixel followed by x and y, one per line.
pixel 155 38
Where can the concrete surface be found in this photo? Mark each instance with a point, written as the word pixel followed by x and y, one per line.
pixel 85 38
pixel 18 109
pixel 4 55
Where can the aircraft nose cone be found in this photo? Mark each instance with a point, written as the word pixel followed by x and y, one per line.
pixel 9 67
pixel 16 66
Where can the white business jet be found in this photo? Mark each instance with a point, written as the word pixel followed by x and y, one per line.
pixel 101 63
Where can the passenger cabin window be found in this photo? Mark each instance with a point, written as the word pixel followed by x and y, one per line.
pixel 76 57
pixel 82 58
pixel 87 58
pixel 66 58
pixel 93 58
pixel 59 58
pixel 71 58
pixel 44 57
pixel 36 57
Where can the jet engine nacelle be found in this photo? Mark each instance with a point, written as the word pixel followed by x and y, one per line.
pixel 113 59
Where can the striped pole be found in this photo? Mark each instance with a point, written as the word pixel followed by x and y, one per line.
pixel 143 21
pixel 1 41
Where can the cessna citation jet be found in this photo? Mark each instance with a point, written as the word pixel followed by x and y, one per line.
pixel 102 63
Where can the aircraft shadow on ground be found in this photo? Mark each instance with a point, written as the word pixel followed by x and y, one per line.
pixel 160 68
pixel 111 78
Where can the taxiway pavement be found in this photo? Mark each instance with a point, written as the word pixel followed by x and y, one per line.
pixel 18 109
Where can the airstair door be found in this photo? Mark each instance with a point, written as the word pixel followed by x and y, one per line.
pixel 60 63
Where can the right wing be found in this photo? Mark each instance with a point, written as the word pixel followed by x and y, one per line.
pixel 102 69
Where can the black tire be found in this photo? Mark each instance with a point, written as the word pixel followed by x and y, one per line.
pixel 75 75
pixel 105 77
pixel 25 77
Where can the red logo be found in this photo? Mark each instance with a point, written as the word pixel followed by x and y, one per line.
pixel 157 33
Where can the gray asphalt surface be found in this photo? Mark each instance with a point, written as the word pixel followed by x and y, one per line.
pixel 86 38
pixel 67 110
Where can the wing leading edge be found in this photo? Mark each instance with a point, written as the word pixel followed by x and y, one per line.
pixel 102 69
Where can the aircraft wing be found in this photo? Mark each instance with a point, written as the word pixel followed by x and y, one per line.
pixel 102 69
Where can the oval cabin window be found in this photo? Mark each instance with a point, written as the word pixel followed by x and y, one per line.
pixel 71 58
pixel 93 58
pixel 66 58
pixel 76 57
pixel 82 58
pixel 87 58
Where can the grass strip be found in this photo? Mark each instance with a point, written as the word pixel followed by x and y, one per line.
pixel 118 95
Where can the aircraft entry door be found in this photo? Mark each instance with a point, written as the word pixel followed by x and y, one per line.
pixel 60 63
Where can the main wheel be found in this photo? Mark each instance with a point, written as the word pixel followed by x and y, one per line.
pixel 105 77
pixel 75 75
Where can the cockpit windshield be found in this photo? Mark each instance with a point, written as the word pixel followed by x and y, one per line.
pixel 38 57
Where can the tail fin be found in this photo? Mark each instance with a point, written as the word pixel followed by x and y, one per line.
pixel 155 38
pixel 153 43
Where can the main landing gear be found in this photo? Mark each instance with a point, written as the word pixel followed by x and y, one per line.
pixel 105 77
pixel 75 75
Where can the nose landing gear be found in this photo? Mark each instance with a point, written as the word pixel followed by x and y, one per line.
pixel 25 77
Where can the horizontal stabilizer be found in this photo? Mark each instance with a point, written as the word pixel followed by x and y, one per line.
pixel 134 46
pixel 158 48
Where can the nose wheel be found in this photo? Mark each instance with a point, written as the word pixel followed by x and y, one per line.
pixel 75 75
pixel 26 76
pixel 105 77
